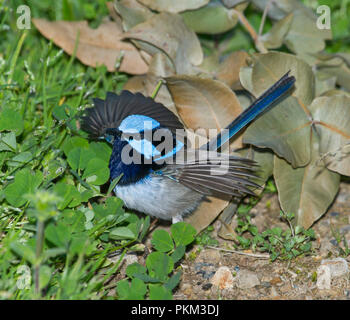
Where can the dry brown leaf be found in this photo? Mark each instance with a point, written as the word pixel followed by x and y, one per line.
pixel 132 13
pixel 229 69
pixel 210 64
pixel 96 46
pixel 206 213
pixel 275 37
pixel 137 84
pixel 204 103
pixel 168 33
pixel 161 66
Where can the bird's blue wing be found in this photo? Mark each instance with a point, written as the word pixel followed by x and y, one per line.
pixel 267 99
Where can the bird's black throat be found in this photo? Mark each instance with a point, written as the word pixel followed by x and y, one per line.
pixel 132 172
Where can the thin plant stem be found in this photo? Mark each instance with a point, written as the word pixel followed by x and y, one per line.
pixel 15 56
pixel 159 84
pixel 44 92
pixel 254 255
pixel 39 248
pixel 263 19
pixel 245 23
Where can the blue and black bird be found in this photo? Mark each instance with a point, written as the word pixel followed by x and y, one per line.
pixel 169 182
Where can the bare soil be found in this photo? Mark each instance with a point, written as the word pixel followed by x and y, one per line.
pixel 294 279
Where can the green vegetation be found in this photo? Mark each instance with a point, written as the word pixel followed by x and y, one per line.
pixel 280 244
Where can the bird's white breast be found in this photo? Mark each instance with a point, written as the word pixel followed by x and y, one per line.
pixel 160 197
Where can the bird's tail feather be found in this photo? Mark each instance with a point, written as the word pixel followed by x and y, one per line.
pixel 267 99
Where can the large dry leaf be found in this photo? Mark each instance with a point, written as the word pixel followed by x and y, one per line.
pixel 168 33
pixel 210 64
pixel 174 6
pixel 324 82
pixel 137 84
pixel 331 116
pixel 307 192
pixel 204 103
pixel 286 130
pixel 96 46
pixel 335 92
pixel 286 127
pixel 132 13
pixel 268 68
pixel 214 18
pixel 228 71
pixel 337 65
pixel 246 78
pixel 161 66
pixel 206 213
pixel 304 35
pixel 275 37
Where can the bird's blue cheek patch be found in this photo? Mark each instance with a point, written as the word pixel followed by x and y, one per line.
pixel 138 123
pixel 145 147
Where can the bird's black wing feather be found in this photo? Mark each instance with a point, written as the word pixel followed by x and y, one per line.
pixel 110 112
pixel 225 175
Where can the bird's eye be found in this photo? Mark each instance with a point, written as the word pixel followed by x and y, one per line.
pixel 131 138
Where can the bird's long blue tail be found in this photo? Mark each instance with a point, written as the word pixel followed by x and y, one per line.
pixel 268 98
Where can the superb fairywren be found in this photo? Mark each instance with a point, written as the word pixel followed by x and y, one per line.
pixel 161 175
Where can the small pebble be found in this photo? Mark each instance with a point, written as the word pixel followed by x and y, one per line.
pixel 330 268
pixel 323 278
pixel 247 279
pixel 338 266
pixel 210 256
pixel 334 242
pixel 223 278
pixel 345 229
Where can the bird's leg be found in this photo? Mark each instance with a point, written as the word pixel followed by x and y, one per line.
pixel 153 224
